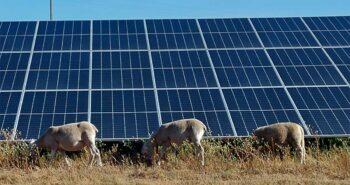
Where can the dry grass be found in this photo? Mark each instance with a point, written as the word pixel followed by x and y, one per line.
pixel 226 163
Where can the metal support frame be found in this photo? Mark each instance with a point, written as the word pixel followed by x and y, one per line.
pixel 152 73
pixel 24 83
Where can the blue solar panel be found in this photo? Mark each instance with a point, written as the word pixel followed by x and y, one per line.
pixel 43 109
pixel 121 70
pixel 203 104
pixel 124 114
pixel 129 76
pixel 251 108
pixel 16 36
pixel 330 31
pixel 8 109
pixel 174 34
pixel 305 67
pixel 67 70
pixel 325 109
pixel 179 69
pixel 228 33
pixel 13 67
pixel 123 35
pixel 243 68
pixel 283 32
pixel 63 35
pixel 341 57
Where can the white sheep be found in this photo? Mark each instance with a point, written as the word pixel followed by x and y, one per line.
pixel 70 137
pixel 175 133
pixel 283 134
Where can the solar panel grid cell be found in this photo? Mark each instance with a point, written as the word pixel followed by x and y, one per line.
pixel 305 67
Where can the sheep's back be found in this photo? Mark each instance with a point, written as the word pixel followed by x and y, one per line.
pixel 279 133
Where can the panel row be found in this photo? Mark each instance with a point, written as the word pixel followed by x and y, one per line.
pixel 175 34
pixel 176 69
pixel 133 113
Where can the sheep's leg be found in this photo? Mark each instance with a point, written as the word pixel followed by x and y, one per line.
pixel 66 158
pixel 92 156
pixel 97 152
pixel 200 152
pixel 52 156
pixel 301 155
pixel 162 153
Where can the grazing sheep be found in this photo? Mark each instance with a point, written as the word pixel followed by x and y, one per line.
pixel 283 134
pixel 70 137
pixel 175 133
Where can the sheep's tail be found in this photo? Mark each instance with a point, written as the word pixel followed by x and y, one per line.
pixel 303 142
pixel 93 126
pixel 205 127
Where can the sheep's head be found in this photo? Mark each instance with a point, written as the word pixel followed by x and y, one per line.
pixel 147 148
pixel 33 147
pixel 148 151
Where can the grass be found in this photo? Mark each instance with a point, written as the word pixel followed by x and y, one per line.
pixel 227 162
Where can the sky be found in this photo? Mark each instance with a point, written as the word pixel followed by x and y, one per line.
pixel 16 10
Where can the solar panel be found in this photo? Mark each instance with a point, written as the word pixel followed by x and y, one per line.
pixel 16 36
pixel 13 68
pixel 330 31
pixel 243 68
pixel 66 70
pixel 228 33
pixel 254 107
pixel 130 76
pixel 63 35
pixel 305 67
pixel 341 57
pixel 181 69
pixel 283 32
pixel 8 108
pixel 326 109
pixel 174 34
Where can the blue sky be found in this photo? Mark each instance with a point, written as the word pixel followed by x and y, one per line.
pixel 145 9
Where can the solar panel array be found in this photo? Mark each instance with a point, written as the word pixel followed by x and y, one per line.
pixel 129 76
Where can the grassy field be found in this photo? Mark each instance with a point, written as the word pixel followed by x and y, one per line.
pixel 226 163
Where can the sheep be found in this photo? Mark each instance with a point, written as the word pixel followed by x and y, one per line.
pixel 70 137
pixel 175 133
pixel 283 134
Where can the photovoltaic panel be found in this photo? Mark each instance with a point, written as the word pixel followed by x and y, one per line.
pixel 42 109
pixel 243 68
pixel 283 32
pixel 66 70
pixel 174 34
pixel 63 35
pixel 8 109
pixel 181 69
pixel 341 57
pixel 228 33
pixel 203 104
pixel 13 67
pixel 305 67
pixel 325 109
pixel 124 114
pixel 254 107
pixel 330 31
pixel 121 70
pixel 119 35
pixel 16 36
